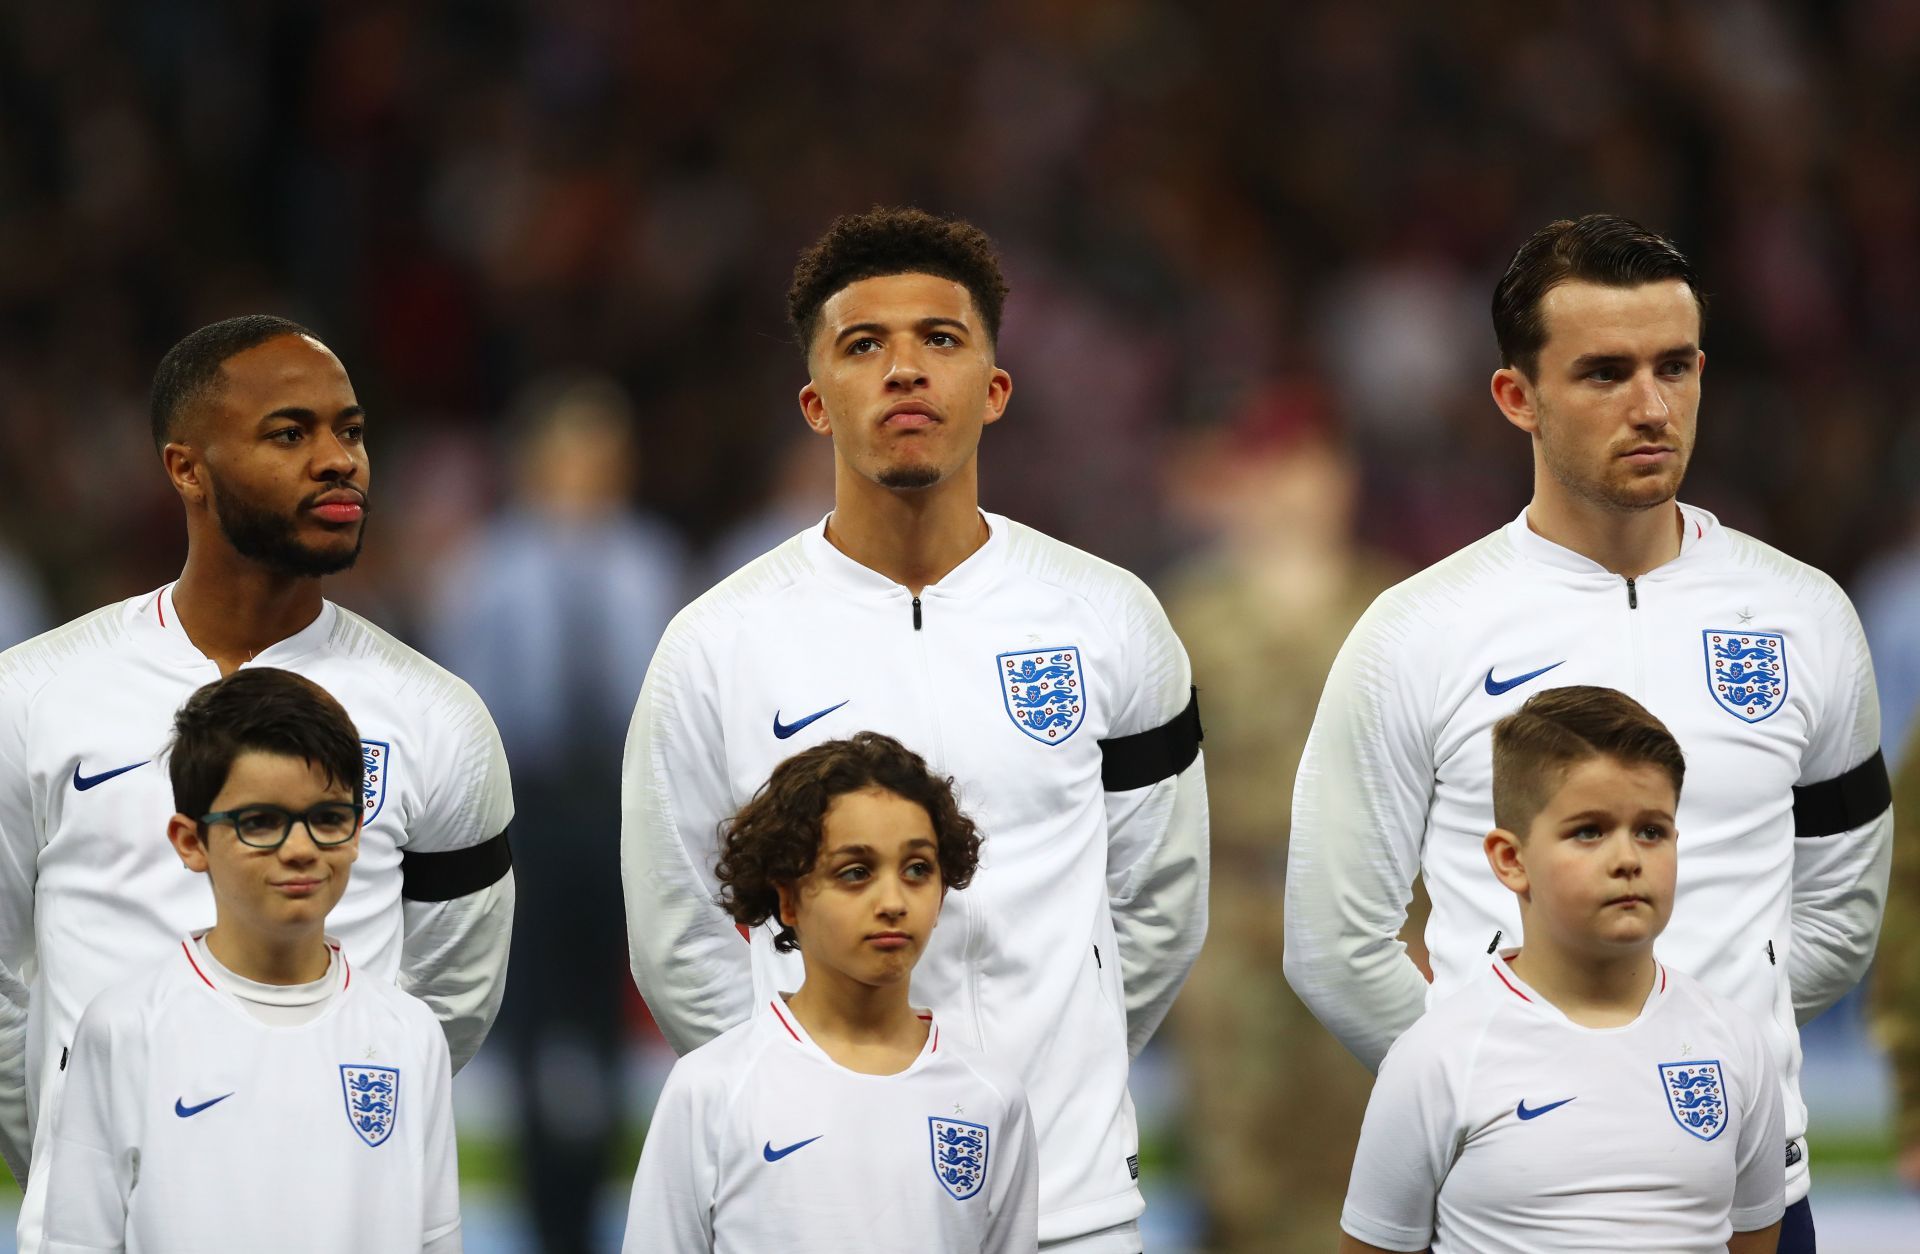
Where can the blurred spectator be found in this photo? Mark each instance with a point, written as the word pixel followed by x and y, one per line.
pixel 23 612
pixel 800 496
pixel 1896 975
pixel 1274 1101
pixel 552 613
pixel 1890 613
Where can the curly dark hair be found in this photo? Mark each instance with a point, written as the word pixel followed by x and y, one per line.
pixel 775 839
pixel 887 240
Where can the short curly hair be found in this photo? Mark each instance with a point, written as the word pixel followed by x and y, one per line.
pixel 775 839
pixel 887 240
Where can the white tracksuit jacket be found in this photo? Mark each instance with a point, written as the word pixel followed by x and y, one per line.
pixel 1088 908
pixel 1753 660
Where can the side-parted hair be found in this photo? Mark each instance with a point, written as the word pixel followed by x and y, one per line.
pixel 1535 746
pixel 1598 248
pixel 886 241
pixel 258 710
pixel 776 837
pixel 191 368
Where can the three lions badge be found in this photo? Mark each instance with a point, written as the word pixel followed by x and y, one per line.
pixel 959 1155
pixel 1747 672
pixel 1043 691
pixel 1697 1096
pixel 373 1100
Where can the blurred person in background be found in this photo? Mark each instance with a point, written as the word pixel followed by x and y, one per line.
pixel 552 612
pixel 1263 608
pixel 23 610
pixel 1756 661
pixel 1896 977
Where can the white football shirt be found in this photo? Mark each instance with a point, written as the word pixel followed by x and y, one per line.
pixel 762 1142
pixel 185 1123
pixel 1499 1126
pixel 90 889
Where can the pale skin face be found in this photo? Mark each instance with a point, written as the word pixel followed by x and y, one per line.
pixel 904 381
pixel 1595 873
pixel 1614 399
pixel 269 903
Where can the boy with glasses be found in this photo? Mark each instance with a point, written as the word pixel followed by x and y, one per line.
pixel 251 1057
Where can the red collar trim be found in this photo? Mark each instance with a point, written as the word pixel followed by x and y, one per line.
pixel 1510 984
pixel 783 1021
pixel 187 949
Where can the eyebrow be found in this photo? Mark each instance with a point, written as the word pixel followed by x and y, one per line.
pixel 866 851
pixel 924 324
pixel 1588 816
pixel 1588 361
pixel 300 413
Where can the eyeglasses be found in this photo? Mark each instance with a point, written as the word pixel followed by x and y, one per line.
pixel 266 826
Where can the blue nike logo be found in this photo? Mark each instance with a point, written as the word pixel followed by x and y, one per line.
pixel 1497 686
pixel 782 730
pixel 84 782
pixel 1537 1111
pixel 773 1155
pixel 183 1110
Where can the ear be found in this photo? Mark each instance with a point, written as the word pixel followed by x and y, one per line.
pixel 999 391
pixel 813 407
pixel 1513 393
pixel 184 835
pixel 185 471
pixel 1503 855
pixel 789 905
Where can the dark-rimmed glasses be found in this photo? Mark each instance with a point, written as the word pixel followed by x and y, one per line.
pixel 264 826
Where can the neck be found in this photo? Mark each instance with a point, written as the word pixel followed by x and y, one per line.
pixel 912 537
pixel 231 608
pixel 299 958
pixel 1628 543
pixel 863 1027
pixel 1594 993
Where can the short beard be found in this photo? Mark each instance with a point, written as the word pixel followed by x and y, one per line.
pixel 270 539
pixel 908 478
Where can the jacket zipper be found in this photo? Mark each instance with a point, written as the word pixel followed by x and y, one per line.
pixel 1633 602
pixel 916 613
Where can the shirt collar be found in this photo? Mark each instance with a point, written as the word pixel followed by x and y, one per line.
pixel 156 611
pixel 778 1017
pixel 1507 985
pixel 970 577
pixel 1697 527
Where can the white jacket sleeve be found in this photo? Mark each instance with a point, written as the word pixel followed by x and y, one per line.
pixel 1015 1226
pixel 689 960
pixel 454 958
pixel 440 1231
pixel 1839 880
pixel 1360 807
pixel 1156 835
pixel 92 1160
pixel 19 861
pixel 671 1210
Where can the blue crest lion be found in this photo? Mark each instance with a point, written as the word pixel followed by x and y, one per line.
pixel 373 1100
pixel 1697 1096
pixel 959 1155
pixel 1043 691
pixel 375 756
pixel 1747 672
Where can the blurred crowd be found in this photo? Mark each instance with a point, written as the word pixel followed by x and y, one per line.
pixel 1251 249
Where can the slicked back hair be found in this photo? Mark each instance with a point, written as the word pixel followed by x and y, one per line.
pixel 1535 746
pixel 191 368
pixel 776 837
pixel 886 241
pixel 259 709
pixel 1598 248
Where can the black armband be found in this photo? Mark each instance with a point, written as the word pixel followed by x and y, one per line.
pixel 1844 802
pixel 1147 757
pixel 456 872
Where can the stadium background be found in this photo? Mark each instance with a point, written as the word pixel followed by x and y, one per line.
pixel 1250 249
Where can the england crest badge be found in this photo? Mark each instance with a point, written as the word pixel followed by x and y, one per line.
pixel 1747 672
pixel 1697 1096
pixel 375 757
pixel 373 1100
pixel 959 1155
pixel 1044 692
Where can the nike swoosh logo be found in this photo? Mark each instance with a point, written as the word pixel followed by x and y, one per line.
pixel 84 782
pixel 782 730
pixel 183 1110
pixel 1537 1111
pixel 773 1155
pixel 1497 686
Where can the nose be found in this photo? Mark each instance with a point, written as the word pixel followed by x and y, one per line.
pixel 1626 856
pixel 299 846
pixel 1650 410
pixel 904 372
pixel 891 901
pixel 332 457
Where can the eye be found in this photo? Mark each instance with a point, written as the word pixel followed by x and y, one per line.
pixel 920 870
pixel 1587 832
pixel 353 433
pixel 1677 368
pixel 1653 833
pixel 259 822
pixel 287 435
pixel 1604 374
pixel 851 874
pixel 860 347
pixel 944 339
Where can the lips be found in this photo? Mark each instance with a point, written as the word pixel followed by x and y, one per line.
pixel 339 507
pixel 890 940
pixel 298 888
pixel 909 415
pixel 1647 454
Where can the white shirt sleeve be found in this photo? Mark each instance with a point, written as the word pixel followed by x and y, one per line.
pixel 1015 1192
pixel 19 861
pixel 440 1178
pixel 92 1153
pixel 689 961
pixel 1157 857
pixel 1760 1180
pixel 1839 881
pixel 1360 805
pixel 671 1211
pixel 1408 1141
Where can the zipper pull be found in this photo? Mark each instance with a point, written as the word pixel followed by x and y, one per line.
pixel 1633 598
pixel 916 613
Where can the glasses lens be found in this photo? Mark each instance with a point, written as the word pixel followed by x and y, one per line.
pixel 332 824
pixel 260 825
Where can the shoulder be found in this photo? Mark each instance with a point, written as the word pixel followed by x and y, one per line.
pixel 1732 1020
pixel 1804 584
pixel 1448 1036
pixel 404 674
pixel 1112 589
pixel 1001 1080
pixel 762 585
pixel 131 1005
pixel 1464 583
pixel 32 664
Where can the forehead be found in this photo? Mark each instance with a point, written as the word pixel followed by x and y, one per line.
pixel 892 300
pixel 288 370
pixel 875 817
pixel 1606 783
pixel 1583 318
pixel 278 778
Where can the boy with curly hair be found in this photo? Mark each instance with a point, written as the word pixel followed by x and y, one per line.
pixel 838 1116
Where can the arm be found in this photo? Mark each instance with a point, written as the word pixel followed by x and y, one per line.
pixel 1843 836
pixel 91 1165
pixel 19 860
pixel 671 1211
pixel 1350 1244
pixel 1015 1226
pixel 1360 807
pixel 440 1233
pixel 689 960
pixel 1760 1169
pixel 1896 987
pixel 1156 783
pixel 1407 1146
pixel 1764 1241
